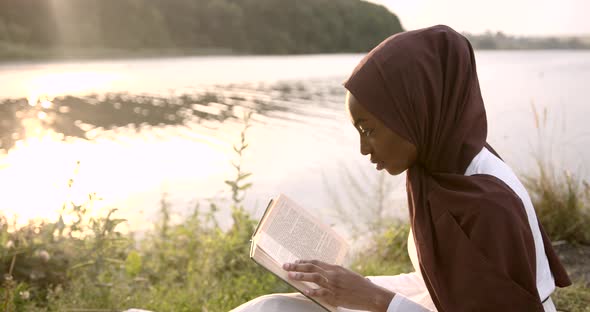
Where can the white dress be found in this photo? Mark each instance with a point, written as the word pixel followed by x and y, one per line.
pixel 411 292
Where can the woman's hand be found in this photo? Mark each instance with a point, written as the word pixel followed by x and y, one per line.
pixel 340 286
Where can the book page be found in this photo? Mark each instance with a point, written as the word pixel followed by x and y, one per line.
pixel 290 233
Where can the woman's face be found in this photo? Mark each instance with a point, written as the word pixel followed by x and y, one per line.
pixel 388 150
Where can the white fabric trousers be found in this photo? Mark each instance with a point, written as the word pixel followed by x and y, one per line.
pixel 410 285
pixel 406 285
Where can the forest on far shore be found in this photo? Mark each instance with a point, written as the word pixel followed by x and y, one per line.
pixel 30 28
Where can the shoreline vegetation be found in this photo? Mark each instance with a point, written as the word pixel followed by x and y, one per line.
pixel 502 41
pixel 83 261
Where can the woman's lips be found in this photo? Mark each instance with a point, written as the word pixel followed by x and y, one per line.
pixel 380 165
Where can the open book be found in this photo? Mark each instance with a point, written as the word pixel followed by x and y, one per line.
pixel 287 233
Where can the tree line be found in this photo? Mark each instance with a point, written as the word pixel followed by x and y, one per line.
pixel 233 26
pixel 502 41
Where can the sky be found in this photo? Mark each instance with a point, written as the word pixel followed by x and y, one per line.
pixel 513 17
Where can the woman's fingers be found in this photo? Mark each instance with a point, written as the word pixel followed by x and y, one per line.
pixel 303 267
pixel 319 292
pixel 317 263
pixel 310 271
pixel 317 278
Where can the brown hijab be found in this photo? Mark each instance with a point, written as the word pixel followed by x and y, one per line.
pixel 474 243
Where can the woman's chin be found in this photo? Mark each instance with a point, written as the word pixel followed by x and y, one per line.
pixel 394 171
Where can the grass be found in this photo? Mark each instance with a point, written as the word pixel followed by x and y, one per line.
pixel 575 298
pixel 388 253
pixel 562 203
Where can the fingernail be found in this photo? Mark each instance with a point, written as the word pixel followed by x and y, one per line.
pixel 286 266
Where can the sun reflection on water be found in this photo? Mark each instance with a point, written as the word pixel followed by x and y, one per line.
pixel 35 175
pixel 129 169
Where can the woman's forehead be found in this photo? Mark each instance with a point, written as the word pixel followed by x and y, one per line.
pixel 355 110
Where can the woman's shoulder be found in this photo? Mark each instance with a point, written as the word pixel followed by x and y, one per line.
pixel 496 194
pixel 488 199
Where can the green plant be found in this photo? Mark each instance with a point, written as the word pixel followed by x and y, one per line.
pixel 387 254
pixel 561 200
pixel 238 186
pixel 562 204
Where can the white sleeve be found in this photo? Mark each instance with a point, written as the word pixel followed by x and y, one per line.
pixel 400 303
pixel 411 292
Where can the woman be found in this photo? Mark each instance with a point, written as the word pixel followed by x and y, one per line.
pixel 416 102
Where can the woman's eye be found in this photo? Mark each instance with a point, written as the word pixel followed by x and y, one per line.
pixel 366 132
